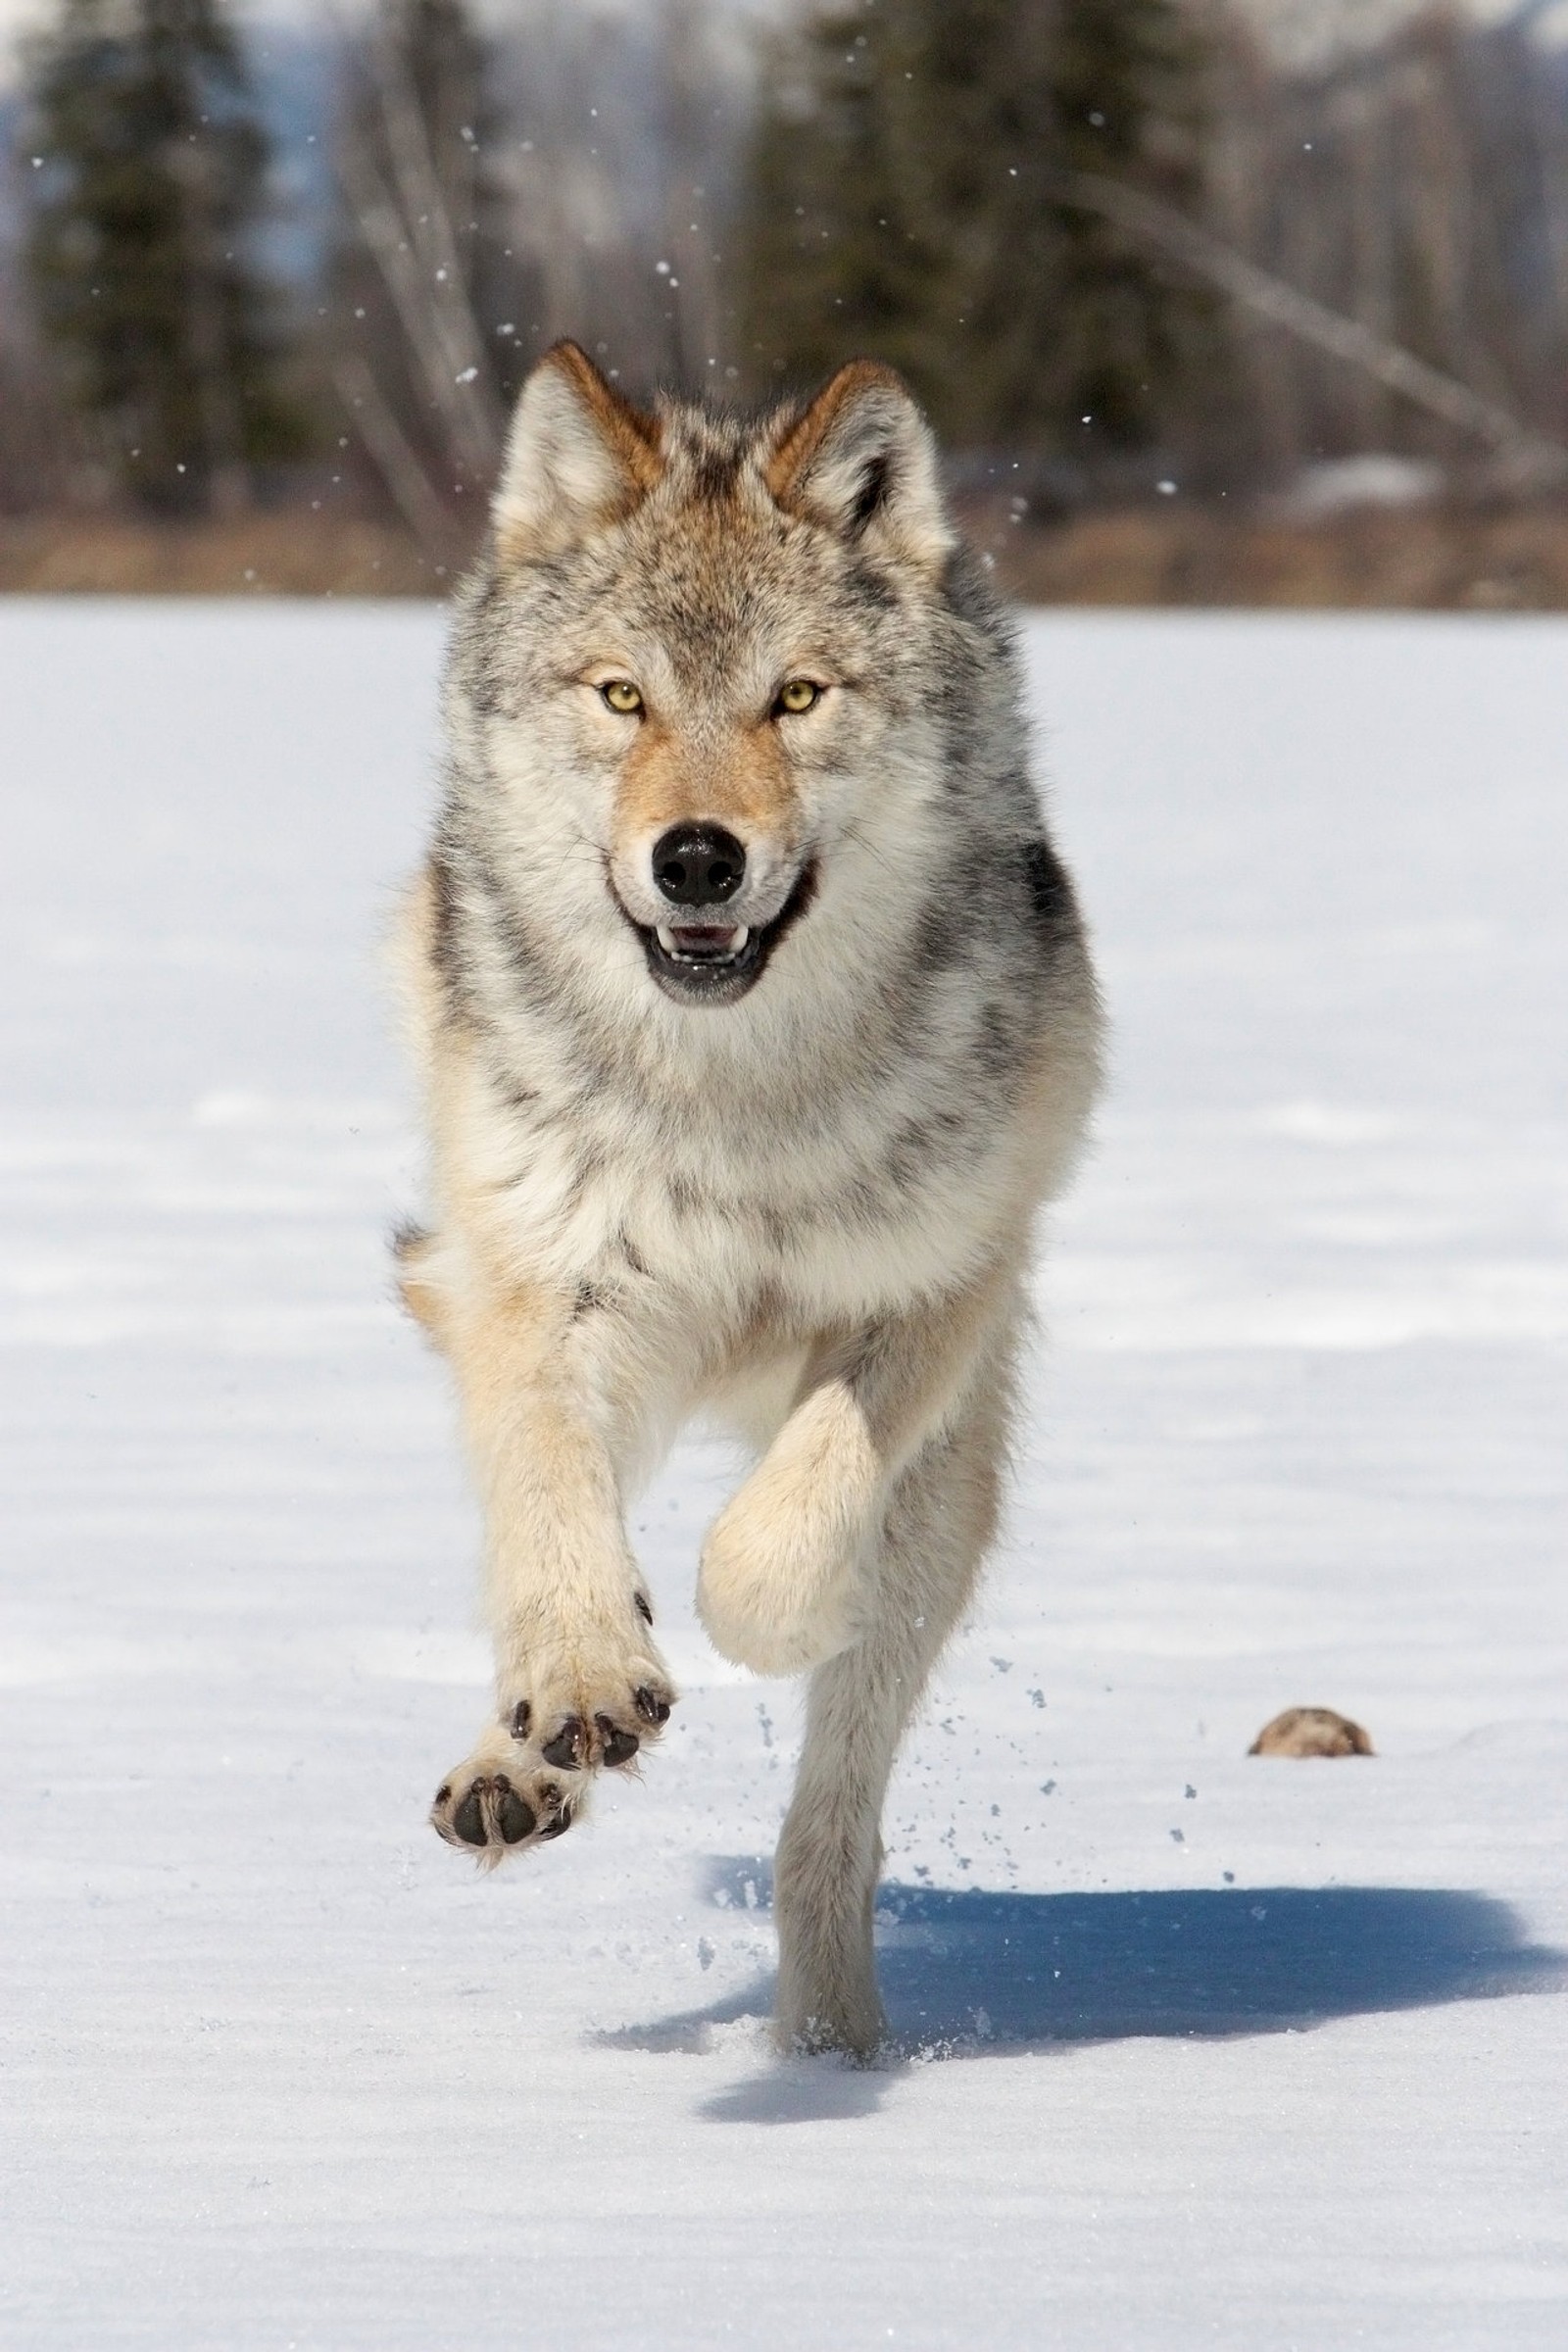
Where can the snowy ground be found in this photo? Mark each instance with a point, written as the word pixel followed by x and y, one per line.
pixel 1198 2051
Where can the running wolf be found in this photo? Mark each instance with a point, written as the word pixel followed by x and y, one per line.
pixel 756 1020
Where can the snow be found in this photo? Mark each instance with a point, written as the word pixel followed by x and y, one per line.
pixel 1196 2049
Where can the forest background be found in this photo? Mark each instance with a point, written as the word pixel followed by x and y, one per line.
pixel 1212 301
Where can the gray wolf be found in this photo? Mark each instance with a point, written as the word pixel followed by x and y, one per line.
pixel 755 1021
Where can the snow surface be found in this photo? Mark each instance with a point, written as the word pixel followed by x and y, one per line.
pixel 1196 2050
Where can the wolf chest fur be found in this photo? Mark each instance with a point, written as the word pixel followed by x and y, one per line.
pixel 755 1022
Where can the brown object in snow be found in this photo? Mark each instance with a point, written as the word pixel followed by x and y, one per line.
pixel 1311 1732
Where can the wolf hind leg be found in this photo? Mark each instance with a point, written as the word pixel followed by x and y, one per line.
pixel 938 1525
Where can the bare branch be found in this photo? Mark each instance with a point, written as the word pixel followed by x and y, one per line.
pixel 1532 457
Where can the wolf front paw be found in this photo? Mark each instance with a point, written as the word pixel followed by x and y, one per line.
pixel 568 1712
pixel 494 1805
pixel 588 1708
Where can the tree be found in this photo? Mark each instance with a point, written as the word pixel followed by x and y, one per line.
pixel 142 246
pixel 909 196
pixel 423 324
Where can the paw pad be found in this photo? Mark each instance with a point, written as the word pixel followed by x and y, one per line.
pixel 568 1746
pixel 514 1818
pixel 618 1747
pixel 491 1813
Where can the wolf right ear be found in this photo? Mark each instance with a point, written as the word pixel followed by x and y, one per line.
pixel 577 454
pixel 860 458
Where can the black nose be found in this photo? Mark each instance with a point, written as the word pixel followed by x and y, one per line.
pixel 698 865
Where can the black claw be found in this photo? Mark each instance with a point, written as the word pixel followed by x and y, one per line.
pixel 650 1706
pixel 619 1747
pixel 443 1792
pixel 565 1750
pixel 644 1608
pixel 557 1828
pixel 468 1820
pixel 516 1819
pixel 521 1717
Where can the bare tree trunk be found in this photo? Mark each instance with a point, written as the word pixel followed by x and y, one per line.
pixel 427 226
pixel 395 460
pixel 689 154
pixel 381 226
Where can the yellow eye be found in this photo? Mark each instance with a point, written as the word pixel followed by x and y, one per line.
pixel 623 696
pixel 797 696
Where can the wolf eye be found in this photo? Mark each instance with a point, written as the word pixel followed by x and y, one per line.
pixel 797 695
pixel 623 696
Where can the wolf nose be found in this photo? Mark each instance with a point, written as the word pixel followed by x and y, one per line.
pixel 698 865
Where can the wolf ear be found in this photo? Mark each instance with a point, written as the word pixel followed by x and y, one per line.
pixel 860 458
pixel 577 454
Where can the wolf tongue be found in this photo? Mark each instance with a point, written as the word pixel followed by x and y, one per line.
pixel 691 941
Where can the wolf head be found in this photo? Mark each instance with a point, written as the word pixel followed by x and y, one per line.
pixel 711 672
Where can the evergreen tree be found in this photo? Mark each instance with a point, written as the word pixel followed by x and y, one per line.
pixel 908 199
pixel 141 249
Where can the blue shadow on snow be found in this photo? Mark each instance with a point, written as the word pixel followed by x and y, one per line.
pixel 968 1971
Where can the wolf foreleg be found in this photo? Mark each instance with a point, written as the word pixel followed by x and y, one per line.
pixel 784 1582
pixel 579 1683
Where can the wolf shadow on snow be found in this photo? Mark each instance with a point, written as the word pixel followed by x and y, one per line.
pixel 972 1971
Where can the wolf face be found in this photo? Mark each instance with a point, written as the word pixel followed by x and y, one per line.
pixel 717 659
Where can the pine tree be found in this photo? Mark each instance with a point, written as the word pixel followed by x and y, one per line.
pixel 1127 79
pixel 908 199
pixel 142 246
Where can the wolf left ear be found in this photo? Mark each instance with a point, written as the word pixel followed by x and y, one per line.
pixel 860 458
pixel 577 454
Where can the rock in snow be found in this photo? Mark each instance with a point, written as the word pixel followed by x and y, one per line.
pixel 1311 1732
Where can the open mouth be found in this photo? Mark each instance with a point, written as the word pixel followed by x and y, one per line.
pixel 714 963
pixel 703 952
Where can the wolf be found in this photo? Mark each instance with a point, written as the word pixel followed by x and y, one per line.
pixel 755 1021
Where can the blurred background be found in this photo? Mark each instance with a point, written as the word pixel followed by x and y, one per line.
pixel 1213 301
